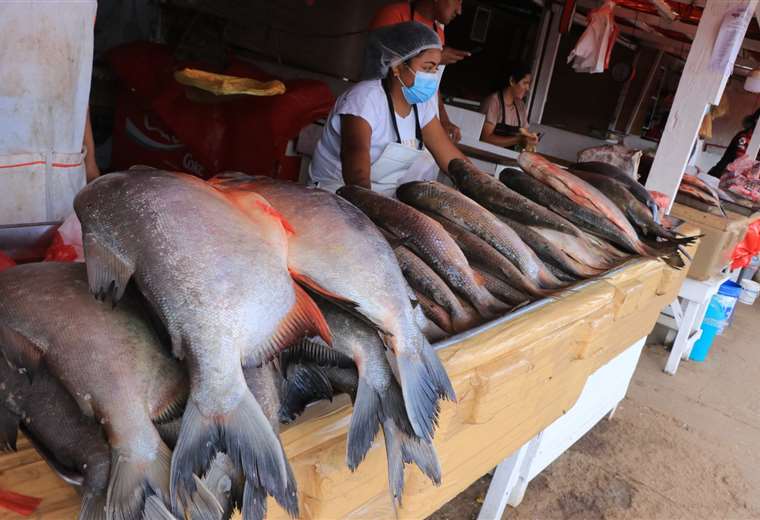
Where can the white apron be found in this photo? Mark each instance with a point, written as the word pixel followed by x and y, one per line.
pixel 46 66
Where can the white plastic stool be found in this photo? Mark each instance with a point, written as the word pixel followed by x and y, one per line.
pixel 688 310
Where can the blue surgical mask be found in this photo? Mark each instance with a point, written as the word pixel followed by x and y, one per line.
pixel 424 87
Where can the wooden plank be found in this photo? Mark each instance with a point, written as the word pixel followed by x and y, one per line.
pixel 754 143
pixel 690 103
pixel 544 79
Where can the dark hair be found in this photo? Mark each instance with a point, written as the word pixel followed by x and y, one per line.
pixel 751 120
pixel 515 72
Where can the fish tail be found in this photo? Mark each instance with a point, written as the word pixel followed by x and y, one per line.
pixel 254 506
pixel 94 506
pixel 246 436
pixel 203 505
pixel 423 381
pixel 402 446
pixel 135 480
pixel 365 423
pixel 155 509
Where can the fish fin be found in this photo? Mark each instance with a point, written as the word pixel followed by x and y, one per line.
pixel 169 431
pixel 171 412
pixel 20 352
pixel 203 505
pixel 302 385
pixel 254 503
pixel 108 272
pixel 303 319
pixel 423 381
pixel 155 509
pixel 94 507
pixel 365 423
pixel 220 480
pixel 270 210
pixel 18 503
pixel 245 434
pixel 9 422
pixel 133 481
pixel 312 285
pixel 314 351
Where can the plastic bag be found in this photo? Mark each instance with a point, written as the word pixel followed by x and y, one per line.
pixel 5 261
pixel 592 52
pixel 747 248
pixel 67 242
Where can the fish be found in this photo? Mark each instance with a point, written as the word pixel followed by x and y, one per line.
pixel 47 315
pixel 697 188
pixel 425 281
pixel 498 198
pixel 458 208
pixel 339 253
pixel 429 241
pixel 551 253
pixel 577 249
pixel 377 398
pixel 434 312
pixel 581 193
pixel 635 187
pixel 480 252
pixel 73 445
pixel 583 217
pixel 190 250
pixel 501 289
pixel 636 211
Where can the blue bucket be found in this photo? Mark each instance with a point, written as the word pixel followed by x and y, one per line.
pixel 719 311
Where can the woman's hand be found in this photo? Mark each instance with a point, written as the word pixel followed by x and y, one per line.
pixel 451 55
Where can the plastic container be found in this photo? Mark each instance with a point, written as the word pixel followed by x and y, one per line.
pixel 719 311
pixel 750 290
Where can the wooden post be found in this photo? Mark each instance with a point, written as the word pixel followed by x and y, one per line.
pixel 699 86
pixel 535 67
pixel 544 79
pixel 754 144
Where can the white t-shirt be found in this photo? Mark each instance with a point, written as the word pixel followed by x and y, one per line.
pixel 367 100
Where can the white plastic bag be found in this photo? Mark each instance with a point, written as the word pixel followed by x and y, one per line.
pixel 592 52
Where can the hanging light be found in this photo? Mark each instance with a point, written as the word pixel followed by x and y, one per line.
pixel 752 83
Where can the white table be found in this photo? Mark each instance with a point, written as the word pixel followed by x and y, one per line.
pixel 601 395
pixel 686 314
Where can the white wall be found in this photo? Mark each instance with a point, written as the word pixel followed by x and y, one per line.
pixel 563 144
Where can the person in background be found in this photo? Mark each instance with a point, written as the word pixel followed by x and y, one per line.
pixel 435 14
pixel 506 117
pixel 375 133
pixel 738 145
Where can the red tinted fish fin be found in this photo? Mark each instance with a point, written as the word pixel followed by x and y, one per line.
pixel 21 504
pixel 108 272
pixel 311 284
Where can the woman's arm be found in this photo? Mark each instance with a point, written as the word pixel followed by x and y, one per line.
pixel 439 144
pixel 355 136
pixel 487 135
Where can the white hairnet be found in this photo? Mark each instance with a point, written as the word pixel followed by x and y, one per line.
pixel 394 44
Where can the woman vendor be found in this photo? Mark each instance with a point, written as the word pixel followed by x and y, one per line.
pixel 382 131
pixel 506 118
pixel 738 145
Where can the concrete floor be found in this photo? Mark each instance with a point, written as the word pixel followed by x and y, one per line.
pixel 679 447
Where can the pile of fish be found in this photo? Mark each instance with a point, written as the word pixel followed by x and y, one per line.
pixel 156 375
pixel 692 187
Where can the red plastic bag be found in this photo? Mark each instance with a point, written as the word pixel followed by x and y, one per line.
pixel 67 242
pixel 747 248
pixel 5 261
pixel 22 504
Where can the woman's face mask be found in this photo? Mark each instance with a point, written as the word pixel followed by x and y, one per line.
pixel 423 88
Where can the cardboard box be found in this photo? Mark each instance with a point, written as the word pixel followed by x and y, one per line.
pixel 721 235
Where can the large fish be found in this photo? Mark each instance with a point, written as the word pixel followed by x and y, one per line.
pixel 579 215
pixel 480 252
pixel 378 402
pixel 339 252
pixel 71 443
pixel 634 209
pixel 635 187
pixel 495 196
pixel 217 278
pixel 429 241
pixel 578 249
pixel 458 208
pixel 550 252
pixel 695 187
pixel 501 289
pixel 424 280
pixel 109 360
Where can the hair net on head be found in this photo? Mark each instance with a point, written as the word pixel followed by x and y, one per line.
pixel 394 44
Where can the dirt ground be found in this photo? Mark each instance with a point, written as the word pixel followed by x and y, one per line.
pixel 678 447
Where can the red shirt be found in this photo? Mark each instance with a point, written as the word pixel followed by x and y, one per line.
pixel 400 12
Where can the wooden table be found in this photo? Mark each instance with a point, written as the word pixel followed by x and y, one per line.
pixel 513 377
